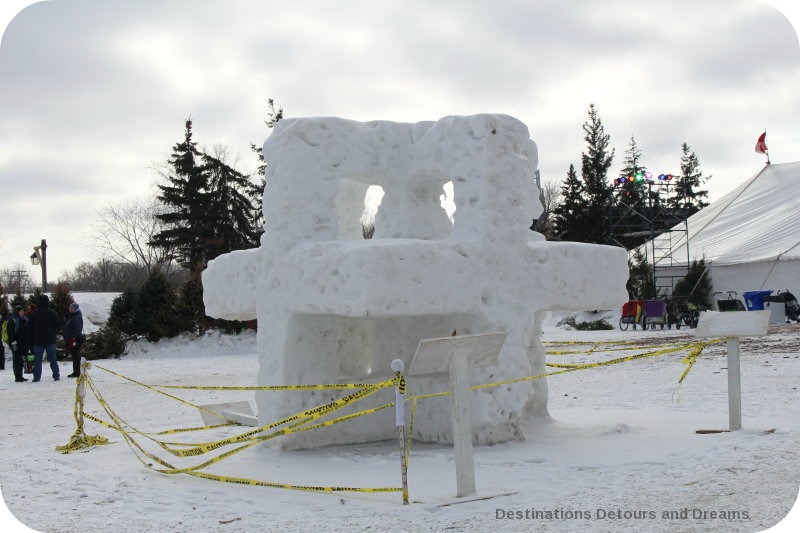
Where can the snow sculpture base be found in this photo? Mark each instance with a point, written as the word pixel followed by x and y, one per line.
pixel 332 307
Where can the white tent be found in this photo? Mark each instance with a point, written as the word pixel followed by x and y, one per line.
pixel 750 237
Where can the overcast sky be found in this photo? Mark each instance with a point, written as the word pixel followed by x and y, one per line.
pixel 94 93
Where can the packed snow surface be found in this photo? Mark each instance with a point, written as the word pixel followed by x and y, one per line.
pixel 621 445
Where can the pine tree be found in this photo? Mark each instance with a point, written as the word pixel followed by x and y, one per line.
pixel 231 214
pixel 641 284
pixel 687 188
pixel 119 316
pixel 633 194
pixel 19 301
pixel 33 298
pixel 59 302
pixel 186 198
pixel 593 223
pixel 257 189
pixel 153 311
pixel 571 208
pixel 633 199
pixel 4 310
pixel 190 310
pixel 695 286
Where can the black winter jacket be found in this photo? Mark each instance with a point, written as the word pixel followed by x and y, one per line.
pixel 18 332
pixel 43 323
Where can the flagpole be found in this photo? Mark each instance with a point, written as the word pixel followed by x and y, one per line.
pixel 766 150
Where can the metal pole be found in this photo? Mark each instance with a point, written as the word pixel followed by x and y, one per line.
pixel 44 265
pixel 81 397
pixel 400 420
pixel 734 385
pixel 462 425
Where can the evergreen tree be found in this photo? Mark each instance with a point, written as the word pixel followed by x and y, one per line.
pixel 231 215
pixel 687 188
pixel 571 208
pixel 695 286
pixel 633 194
pixel 633 201
pixel 186 198
pixel 593 222
pixel 4 310
pixel 59 302
pixel 641 284
pixel 106 342
pixel 19 301
pixel 33 298
pixel 119 316
pixel 257 189
pixel 190 310
pixel 153 313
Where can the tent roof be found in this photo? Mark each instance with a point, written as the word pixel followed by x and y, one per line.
pixel 757 221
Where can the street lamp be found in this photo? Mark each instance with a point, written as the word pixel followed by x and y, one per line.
pixel 39 257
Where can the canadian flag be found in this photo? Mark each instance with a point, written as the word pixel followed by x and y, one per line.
pixel 761 145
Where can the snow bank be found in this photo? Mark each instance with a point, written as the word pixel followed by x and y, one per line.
pixel 95 307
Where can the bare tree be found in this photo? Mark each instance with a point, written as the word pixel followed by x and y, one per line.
pixel 123 231
pixel 16 279
pixel 550 196
pixel 104 276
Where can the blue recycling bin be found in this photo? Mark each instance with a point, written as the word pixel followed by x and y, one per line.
pixel 754 300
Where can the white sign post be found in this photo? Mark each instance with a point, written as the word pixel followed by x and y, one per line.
pixel 733 324
pixel 457 355
pixel 400 421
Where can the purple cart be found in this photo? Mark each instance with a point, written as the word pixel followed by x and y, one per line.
pixel 655 313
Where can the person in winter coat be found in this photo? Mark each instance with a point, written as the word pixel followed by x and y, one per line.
pixel 19 339
pixel 43 324
pixel 3 341
pixel 73 338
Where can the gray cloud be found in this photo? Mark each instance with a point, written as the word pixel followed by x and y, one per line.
pixel 92 93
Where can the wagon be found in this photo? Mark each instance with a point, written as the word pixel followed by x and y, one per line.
pixel 632 314
pixel 655 314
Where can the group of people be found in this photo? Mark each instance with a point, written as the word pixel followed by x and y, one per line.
pixel 34 330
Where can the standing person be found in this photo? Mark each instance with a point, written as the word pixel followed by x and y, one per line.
pixel 73 338
pixel 4 338
pixel 19 338
pixel 43 323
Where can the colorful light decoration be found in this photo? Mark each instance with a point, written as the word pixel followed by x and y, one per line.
pixel 641 177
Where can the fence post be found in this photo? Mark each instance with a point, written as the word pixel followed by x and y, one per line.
pixel 400 419
pixel 80 396
pixel 734 385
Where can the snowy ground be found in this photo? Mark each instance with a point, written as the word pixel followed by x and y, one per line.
pixel 621 442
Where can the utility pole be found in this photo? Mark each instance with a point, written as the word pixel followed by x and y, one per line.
pixel 19 274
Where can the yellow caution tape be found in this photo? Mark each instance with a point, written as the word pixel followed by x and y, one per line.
pixel 302 421
pixel 308 415
pixel 603 343
pixel 621 359
pixel 689 360
pixel 218 415
pixel 331 386
pixel 80 440
pixel 119 425
pixel 596 349
pixel 305 417
pixel 243 481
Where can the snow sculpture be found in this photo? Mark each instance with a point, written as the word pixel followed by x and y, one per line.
pixel 333 307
